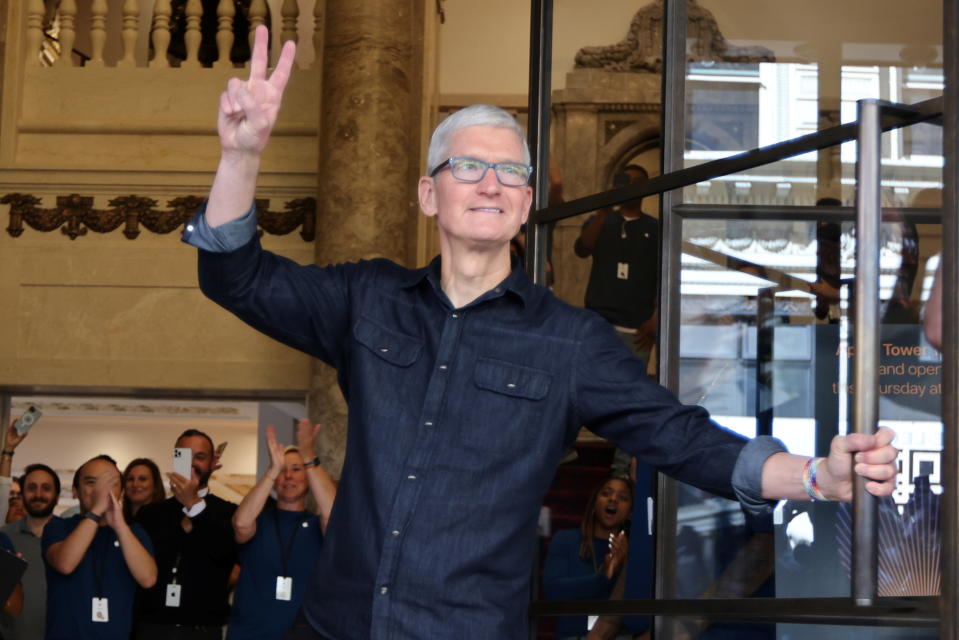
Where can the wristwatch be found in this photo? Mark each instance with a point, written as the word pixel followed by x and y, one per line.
pixel 315 462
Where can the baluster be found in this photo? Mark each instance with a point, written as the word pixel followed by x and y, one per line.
pixel 290 12
pixel 224 32
pixel 35 11
pixel 319 26
pixel 131 15
pixel 160 34
pixel 68 34
pixel 257 17
pixel 192 37
pixel 98 31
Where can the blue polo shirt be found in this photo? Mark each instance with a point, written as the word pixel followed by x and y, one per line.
pixel 70 597
pixel 286 543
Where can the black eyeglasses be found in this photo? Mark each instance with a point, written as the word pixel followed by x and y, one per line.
pixel 464 169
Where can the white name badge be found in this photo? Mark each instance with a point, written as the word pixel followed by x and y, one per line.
pixel 100 611
pixel 284 588
pixel 622 270
pixel 173 595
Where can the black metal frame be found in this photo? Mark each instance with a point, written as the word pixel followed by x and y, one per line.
pixel 863 608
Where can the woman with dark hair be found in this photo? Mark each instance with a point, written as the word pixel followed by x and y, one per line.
pixel 142 485
pixel 584 564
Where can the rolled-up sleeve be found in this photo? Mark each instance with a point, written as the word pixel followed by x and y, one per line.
pixel 748 474
pixel 223 239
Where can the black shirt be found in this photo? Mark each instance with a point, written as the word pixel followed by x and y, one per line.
pixel 625 301
pixel 203 559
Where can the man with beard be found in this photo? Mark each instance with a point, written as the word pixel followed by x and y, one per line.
pixel 41 491
pixel 195 552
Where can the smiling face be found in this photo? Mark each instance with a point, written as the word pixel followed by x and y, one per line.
pixel 138 485
pixel 613 504
pixel 484 214
pixel 291 485
pixel 39 493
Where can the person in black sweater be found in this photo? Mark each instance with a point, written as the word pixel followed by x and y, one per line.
pixel 195 553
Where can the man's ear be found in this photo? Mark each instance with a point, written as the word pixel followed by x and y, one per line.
pixel 427 194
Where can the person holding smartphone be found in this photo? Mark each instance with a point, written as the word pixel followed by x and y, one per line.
pixel 195 552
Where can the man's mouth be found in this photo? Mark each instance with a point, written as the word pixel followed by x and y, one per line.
pixel 487 209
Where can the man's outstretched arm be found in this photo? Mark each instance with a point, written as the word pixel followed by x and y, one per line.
pixel 247 112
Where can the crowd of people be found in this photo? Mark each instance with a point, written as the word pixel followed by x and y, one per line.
pixel 132 562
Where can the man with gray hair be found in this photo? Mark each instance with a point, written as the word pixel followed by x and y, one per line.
pixel 466 383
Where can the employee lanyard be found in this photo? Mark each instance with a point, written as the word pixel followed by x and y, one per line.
pixel 286 550
pixel 99 560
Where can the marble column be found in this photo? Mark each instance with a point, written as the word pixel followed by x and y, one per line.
pixel 369 159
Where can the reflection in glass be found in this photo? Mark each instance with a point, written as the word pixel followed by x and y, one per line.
pixel 783 367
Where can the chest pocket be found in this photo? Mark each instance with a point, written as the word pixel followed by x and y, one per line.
pixel 511 403
pixel 511 379
pixel 388 344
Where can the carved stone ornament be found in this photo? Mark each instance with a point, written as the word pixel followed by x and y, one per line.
pixel 642 48
pixel 74 215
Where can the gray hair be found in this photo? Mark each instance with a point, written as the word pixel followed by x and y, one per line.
pixel 477 115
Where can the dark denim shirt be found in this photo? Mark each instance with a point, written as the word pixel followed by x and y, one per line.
pixel 458 419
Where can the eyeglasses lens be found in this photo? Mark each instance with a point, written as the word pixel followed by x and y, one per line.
pixel 510 174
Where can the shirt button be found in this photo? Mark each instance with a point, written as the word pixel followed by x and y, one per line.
pixel 411 477
pixel 428 423
pixel 395 533
pixel 384 590
pixel 456 315
pixel 443 367
pixel 384 349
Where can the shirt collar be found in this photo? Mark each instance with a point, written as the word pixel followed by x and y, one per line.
pixel 517 282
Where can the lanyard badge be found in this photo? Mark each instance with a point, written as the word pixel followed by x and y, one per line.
pixel 101 612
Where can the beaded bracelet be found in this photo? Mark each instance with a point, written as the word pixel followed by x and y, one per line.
pixel 813 490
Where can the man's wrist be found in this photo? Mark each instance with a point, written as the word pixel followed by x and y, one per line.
pixel 195 509
pixel 7 452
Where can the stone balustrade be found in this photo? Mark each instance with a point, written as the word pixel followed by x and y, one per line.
pixel 204 32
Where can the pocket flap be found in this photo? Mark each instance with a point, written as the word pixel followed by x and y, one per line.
pixel 389 344
pixel 511 379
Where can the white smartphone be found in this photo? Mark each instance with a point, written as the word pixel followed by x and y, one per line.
pixel 183 461
pixel 27 420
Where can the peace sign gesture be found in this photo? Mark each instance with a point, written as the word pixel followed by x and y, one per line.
pixel 248 108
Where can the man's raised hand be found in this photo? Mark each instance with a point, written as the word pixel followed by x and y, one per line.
pixel 248 108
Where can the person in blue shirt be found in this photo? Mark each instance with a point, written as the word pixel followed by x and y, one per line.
pixel 466 383
pixel 279 543
pixel 95 560
pixel 583 564
pixel 14 604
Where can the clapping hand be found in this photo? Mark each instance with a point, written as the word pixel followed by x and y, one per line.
pixel 616 558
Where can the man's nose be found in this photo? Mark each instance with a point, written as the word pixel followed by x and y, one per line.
pixel 489 182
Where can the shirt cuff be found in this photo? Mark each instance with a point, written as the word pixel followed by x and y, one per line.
pixel 227 237
pixel 196 509
pixel 748 475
